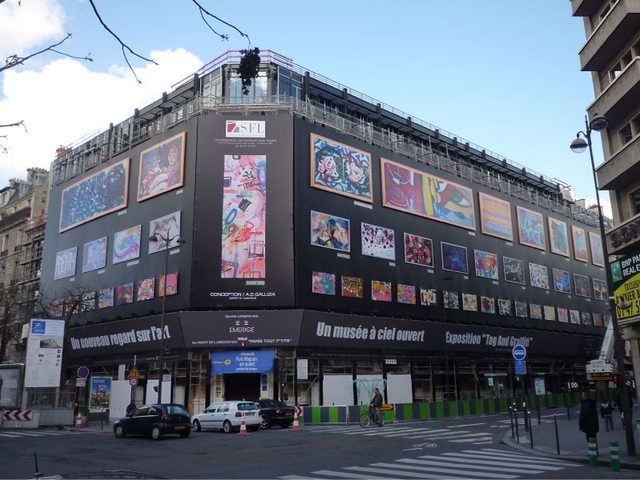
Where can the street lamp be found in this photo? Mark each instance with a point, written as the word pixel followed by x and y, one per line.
pixel 165 239
pixel 579 145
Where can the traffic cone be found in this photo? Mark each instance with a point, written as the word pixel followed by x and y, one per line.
pixel 243 427
pixel 78 421
pixel 296 425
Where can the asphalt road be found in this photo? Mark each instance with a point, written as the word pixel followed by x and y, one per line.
pixel 460 448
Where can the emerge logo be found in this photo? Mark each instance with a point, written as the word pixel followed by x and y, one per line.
pixel 245 129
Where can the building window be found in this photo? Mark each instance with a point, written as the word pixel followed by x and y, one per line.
pixel 629 131
pixel 635 201
pixel 599 17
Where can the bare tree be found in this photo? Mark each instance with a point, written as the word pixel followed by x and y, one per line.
pixel 15 60
pixel 10 326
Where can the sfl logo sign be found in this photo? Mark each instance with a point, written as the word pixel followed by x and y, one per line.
pixel 245 129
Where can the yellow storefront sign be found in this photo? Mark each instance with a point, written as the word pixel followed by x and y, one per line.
pixel 628 293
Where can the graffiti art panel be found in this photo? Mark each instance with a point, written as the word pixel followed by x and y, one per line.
pixel 126 244
pixel 579 243
pixel 166 231
pixel 521 309
pixel 597 256
pixel 323 283
pixel 105 298
pixel 171 287
pixel 406 294
pixel 495 217
pixel 162 167
pixel 418 250
pixel 340 169
pixel 530 228
pixel 352 287
pixel 380 291
pixel 535 311
pixel 454 258
pixel 65 263
pixel 504 307
pixel 124 293
pixel 146 289
pixel 486 264
pixel 563 315
pixel 513 270
pixel 561 281
pixel 581 283
pixel 94 255
pixel 558 236
pixel 599 289
pixel 469 302
pixel 378 241
pixel 488 305
pixel 330 231
pixel 428 297
pixel 94 196
pixel 451 300
pixel 539 275
pixel 244 207
pixel 549 312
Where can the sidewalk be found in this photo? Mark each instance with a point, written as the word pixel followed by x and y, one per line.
pixel 573 444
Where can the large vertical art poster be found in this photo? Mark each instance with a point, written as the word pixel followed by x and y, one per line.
pixel 94 196
pixel 161 167
pixel 340 169
pixel 495 217
pixel 579 244
pixel 530 228
pixel 597 256
pixel 558 236
pixel 244 209
pixel 419 193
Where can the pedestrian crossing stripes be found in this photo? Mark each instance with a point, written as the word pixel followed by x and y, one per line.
pixel 455 434
pixel 482 463
pixel 35 433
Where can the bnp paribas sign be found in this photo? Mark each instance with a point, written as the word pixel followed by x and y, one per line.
pixel 625 274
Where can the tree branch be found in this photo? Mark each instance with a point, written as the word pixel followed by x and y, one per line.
pixel 15 60
pixel 124 46
pixel 204 11
pixel 14 124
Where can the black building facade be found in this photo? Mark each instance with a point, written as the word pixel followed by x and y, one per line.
pixel 331 243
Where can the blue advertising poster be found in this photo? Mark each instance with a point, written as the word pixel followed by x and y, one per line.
pixel 242 361
pixel 100 393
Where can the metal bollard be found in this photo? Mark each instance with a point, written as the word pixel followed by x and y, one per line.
pixel 513 433
pixel 614 451
pixel 568 413
pixel 555 421
pixel 530 429
pixel 524 415
pixel 538 413
pixel 515 413
pixel 593 452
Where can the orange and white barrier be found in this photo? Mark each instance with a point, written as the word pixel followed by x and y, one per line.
pixel 243 427
pixel 296 424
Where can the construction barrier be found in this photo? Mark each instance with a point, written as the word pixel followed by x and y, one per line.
pixel 614 451
pixel 593 452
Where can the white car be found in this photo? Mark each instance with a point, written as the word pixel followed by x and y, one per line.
pixel 227 416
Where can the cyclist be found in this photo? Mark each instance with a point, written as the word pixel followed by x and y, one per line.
pixel 376 403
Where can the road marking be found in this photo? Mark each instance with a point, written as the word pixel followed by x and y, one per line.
pixel 392 473
pixel 519 457
pixel 467 425
pixel 438 460
pixel 455 471
pixel 8 435
pixel 480 460
pixel 332 473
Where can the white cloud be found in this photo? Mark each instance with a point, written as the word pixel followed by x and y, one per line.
pixel 64 101
pixel 28 25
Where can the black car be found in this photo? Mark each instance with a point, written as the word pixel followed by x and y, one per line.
pixel 155 421
pixel 275 412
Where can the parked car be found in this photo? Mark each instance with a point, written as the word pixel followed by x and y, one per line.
pixel 155 421
pixel 275 412
pixel 227 416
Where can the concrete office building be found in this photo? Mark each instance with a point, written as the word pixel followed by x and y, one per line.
pixel 611 54
pixel 331 244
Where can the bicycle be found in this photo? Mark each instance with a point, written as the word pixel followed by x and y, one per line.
pixel 369 416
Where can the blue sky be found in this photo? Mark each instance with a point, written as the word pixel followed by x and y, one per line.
pixel 503 74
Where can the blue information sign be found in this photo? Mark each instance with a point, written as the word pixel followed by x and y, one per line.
pixel 519 352
pixel 520 367
pixel 242 361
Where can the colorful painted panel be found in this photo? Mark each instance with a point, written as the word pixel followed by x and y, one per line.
pixel 419 193
pixel 586 318
pixel 581 283
pixel 352 287
pixel 535 311
pixel 94 255
pixel 330 231
pixel 488 305
pixel 126 244
pixel 563 315
pixel 323 283
pixel 244 207
pixel 380 291
pixel 504 307
pixel 105 298
pixel 124 293
pixel 513 270
pixel 561 281
pixel 172 285
pixel 549 312
pixel 164 228
pixel 486 264
pixel 451 300
pixel 94 196
pixel 469 302
pixel 598 320
pixel 162 167
pixel 146 289
pixel 538 276
pixel 599 289
pixel 406 294
pixel 428 297
pixel 88 302
pixel 521 309
pixel 495 217
pixel 454 258
pixel 378 241
pixel 418 250
pixel 574 316
pixel 341 169
pixel 558 236
pixel 530 228
pixel 579 243
pixel 65 263
pixel 597 257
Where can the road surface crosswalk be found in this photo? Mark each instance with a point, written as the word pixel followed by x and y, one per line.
pixel 486 463
pixel 455 434
pixel 6 434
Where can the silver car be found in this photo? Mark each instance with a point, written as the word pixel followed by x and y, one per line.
pixel 227 416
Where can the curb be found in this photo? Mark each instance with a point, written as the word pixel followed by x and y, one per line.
pixel 508 440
